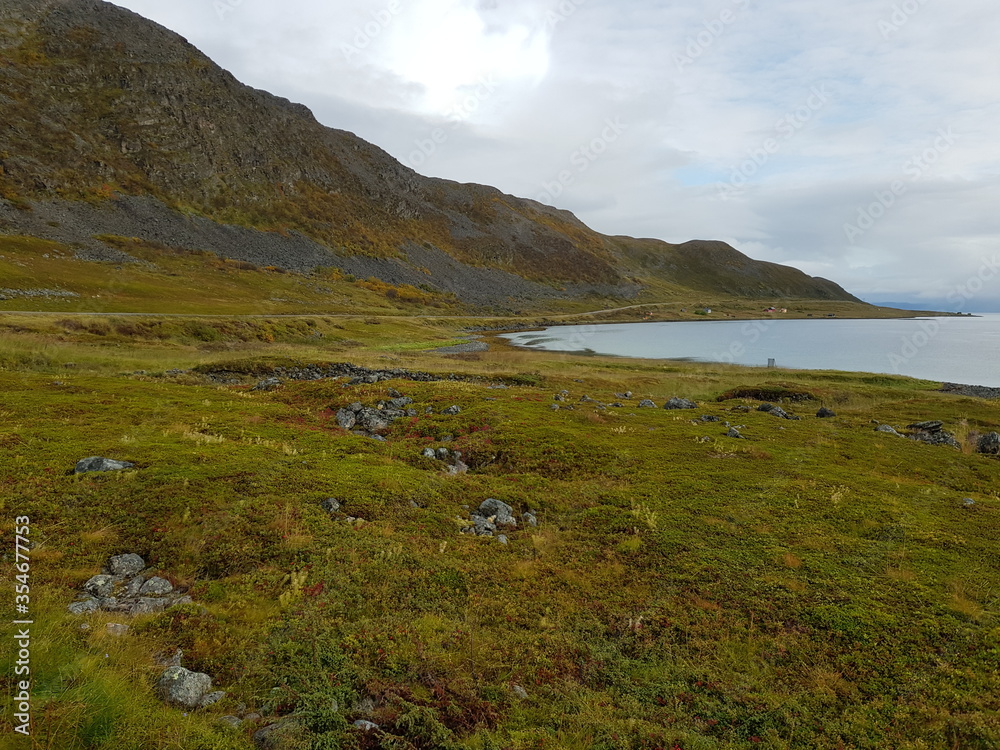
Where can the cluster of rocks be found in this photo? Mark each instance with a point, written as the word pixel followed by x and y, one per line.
pixel 367 421
pixel 333 506
pixel 452 459
pixel 123 587
pixel 6 294
pixel 931 432
pixel 673 404
pixel 776 411
pixel 973 391
pixel 355 373
pixel 989 444
pixel 491 516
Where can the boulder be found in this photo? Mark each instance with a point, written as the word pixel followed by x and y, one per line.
pixel 400 403
pixel 710 418
pixel 452 411
pixel 733 433
pixel 429 453
pixel 530 519
pixel 147 605
pixel 501 513
pixel 96 463
pixel 371 419
pixel 181 687
pixel 101 586
pixel 346 419
pixel 887 430
pixel 680 403
pixel 156 586
pixel 646 404
pixel 825 413
pixel 126 565
pixel 989 444
pixel 330 505
pixel 765 407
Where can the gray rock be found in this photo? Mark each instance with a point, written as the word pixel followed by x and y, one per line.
pixel 366 726
pixel 458 466
pixel 133 586
pixel 116 629
pixel 84 607
pixel 233 721
pixel 530 519
pixel 429 453
pixel 96 463
pixel 938 437
pixel 126 565
pixel 519 691
pixel 933 426
pixel 101 586
pixel 346 419
pixel 733 433
pixel 502 539
pixel 825 413
pixel 412 413
pixel 148 605
pixel 483 526
pixel 181 600
pixel 887 430
pixel 765 407
pixel 452 411
pixel 501 513
pixel 156 586
pixel 174 660
pixel 355 407
pixel 989 444
pixel 111 604
pixel 400 403
pixel 554 407
pixel 710 418
pixel 646 404
pixel 968 502
pixel 680 403
pixel 331 505
pixel 559 397
pixel 371 419
pixel 393 393
pixel 442 454
pixel 184 688
pixel 268 384
pixel 429 410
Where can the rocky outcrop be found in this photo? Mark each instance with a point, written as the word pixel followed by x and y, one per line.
pixel 124 588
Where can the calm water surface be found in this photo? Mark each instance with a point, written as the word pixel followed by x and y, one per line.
pixel 957 350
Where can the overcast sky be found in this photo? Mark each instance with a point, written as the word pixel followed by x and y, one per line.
pixel 857 140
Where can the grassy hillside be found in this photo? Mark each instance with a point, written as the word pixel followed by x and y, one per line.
pixel 816 584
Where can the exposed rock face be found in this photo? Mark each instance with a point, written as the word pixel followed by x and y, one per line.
pixel 104 97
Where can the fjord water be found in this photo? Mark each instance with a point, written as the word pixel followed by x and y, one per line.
pixel 949 349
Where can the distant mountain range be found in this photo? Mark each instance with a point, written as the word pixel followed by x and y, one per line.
pixel 114 125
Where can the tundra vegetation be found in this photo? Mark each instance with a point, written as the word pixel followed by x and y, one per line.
pixel 815 583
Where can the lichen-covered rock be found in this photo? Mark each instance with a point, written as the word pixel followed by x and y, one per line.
pixel 156 586
pixel 646 404
pixel 126 565
pixel 101 585
pixel 989 443
pixel 500 513
pixel 86 606
pixel 182 687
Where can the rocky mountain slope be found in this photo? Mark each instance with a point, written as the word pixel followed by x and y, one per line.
pixel 116 125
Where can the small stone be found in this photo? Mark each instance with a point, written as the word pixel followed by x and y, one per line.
pixel 825 413
pixel 502 539
pixel 148 605
pixel 331 505
pixel 519 691
pixel 267 385
pixel 429 453
pixel 366 726
pixel 393 393
pixel 126 565
pixel 933 426
pixel 710 418
pixel 96 463
pixel 733 433
pixel 554 407
pixel 452 411
pixel 501 513
pixel 887 429
pixel 233 721
pixel 968 502
pixel 646 404
pixel 530 519
pixel 156 586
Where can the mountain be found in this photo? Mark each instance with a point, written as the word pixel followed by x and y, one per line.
pixel 115 125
